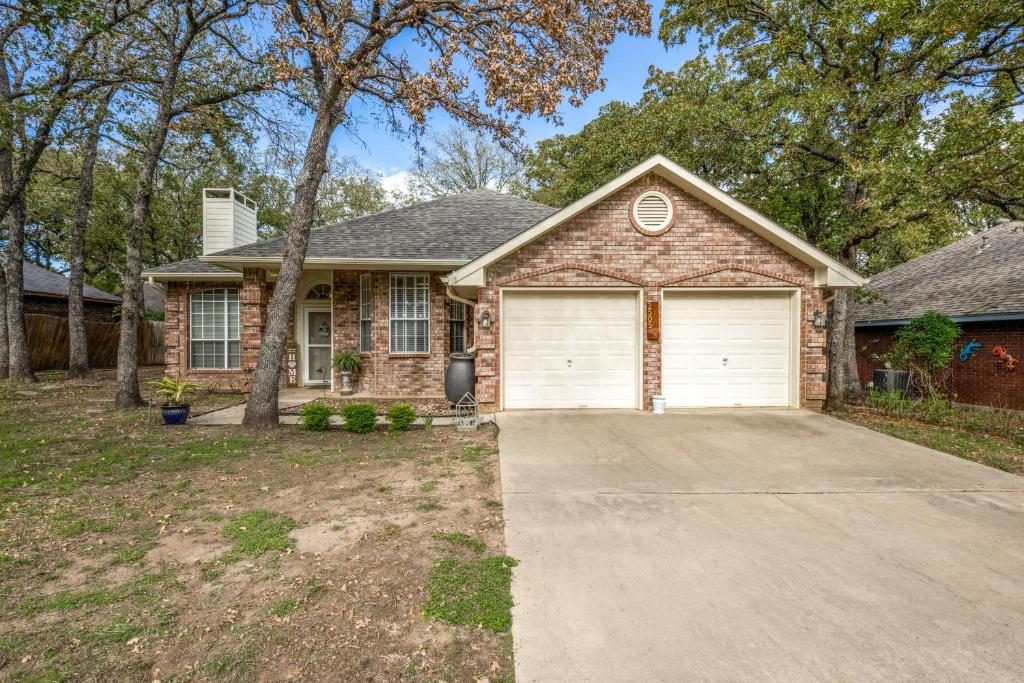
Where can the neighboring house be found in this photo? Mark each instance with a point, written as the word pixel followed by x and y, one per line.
pixel 979 283
pixel 655 283
pixel 153 299
pixel 46 292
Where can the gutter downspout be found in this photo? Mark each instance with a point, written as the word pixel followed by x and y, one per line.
pixel 472 304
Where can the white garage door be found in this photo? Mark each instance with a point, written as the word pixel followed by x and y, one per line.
pixel 726 349
pixel 569 349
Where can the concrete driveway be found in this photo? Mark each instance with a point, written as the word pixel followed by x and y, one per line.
pixel 775 545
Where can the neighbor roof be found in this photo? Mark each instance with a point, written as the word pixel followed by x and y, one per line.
pixel 43 282
pixel 448 231
pixel 828 271
pixel 979 276
pixel 152 297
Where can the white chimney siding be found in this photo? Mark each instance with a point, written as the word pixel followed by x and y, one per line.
pixel 229 220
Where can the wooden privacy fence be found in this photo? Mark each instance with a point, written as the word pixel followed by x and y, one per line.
pixel 48 342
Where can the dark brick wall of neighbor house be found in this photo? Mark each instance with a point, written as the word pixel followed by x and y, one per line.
pixel 52 305
pixel 980 380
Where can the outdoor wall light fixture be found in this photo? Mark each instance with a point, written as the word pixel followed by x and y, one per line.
pixel 819 319
pixel 485 320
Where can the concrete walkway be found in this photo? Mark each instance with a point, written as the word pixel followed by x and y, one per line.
pixel 775 545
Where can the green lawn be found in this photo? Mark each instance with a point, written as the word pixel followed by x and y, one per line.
pixel 990 437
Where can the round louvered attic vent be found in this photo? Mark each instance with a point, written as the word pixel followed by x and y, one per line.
pixel 652 212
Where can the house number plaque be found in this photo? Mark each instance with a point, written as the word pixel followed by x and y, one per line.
pixel 652 320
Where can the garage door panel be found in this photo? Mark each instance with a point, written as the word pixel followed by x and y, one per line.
pixel 596 331
pixel 726 349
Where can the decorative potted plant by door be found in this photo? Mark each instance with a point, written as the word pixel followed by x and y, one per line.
pixel 176 393
pixel 347 362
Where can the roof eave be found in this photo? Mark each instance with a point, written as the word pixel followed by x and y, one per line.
pixel 228 261
pixel 167 277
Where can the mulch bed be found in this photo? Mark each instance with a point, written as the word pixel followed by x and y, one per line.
pixel 437 407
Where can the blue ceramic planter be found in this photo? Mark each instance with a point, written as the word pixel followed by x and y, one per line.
pixel 175 415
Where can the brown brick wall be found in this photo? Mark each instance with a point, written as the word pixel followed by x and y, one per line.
pixel 253 297
pixel 384 373
pixel 980 380
pixel 601 248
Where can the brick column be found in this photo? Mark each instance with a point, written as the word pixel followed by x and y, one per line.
pixel 253 300
pixel 487 387
pixel 812 350
pixel 175 330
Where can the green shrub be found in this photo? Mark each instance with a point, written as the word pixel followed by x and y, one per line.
pixel 360 417
pixel 925 347
pixel 401 416
pixel 316 417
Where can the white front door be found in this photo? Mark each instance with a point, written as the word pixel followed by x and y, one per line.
pixel 569 349
pixel 726 348
pixel 317 333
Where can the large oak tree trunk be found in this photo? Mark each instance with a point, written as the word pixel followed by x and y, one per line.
pixel 20 366
pixel 78 353
pixel 131 298
pixel 4 344
pixel 843 380
pixel 262 408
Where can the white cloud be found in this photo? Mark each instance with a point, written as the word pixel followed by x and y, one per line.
pixel 396 182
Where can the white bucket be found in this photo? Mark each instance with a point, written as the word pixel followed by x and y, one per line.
pixel 659 404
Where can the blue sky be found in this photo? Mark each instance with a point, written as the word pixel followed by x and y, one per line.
pixel 625 71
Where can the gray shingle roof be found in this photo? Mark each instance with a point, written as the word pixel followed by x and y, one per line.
pixel 980 275
pixel 46 282
pixel 188 266
pixel 152 297
pixel 462 226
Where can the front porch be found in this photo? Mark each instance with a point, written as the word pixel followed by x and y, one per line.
pixel 403 325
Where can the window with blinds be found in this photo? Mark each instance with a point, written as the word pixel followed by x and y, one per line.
pixel 214 330
pixel 410 313
pixel 457 326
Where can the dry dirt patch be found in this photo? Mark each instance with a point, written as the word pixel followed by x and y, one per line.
pixel 116 564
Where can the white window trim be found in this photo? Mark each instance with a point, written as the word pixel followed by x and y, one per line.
pixel 668 216
pixel 392 318
pixel 318 298
pixel 366 287
pixel 227 339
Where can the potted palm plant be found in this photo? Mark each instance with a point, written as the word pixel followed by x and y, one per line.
pixel 176 393
pixel 346 363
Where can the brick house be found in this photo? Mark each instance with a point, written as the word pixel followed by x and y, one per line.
pixel 656 283
pixel 46 293
pixel 979 283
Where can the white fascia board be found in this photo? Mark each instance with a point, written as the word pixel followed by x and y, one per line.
pixel 318 262
pixel 835 274
pixel 170 277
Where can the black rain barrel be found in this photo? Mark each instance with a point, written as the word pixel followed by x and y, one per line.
pixel 460 377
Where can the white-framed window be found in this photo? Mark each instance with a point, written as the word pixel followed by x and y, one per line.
pixel 410 313
pixel 457 326
pixel 365 314
pixel 215 330
pixel 321 292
